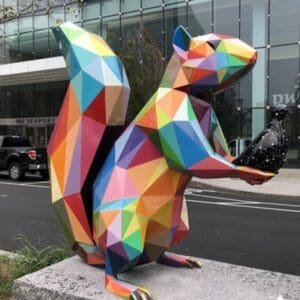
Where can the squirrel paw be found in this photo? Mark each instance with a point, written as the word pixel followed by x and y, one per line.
pixel 140 294
pixel 176 260
pixel 125 289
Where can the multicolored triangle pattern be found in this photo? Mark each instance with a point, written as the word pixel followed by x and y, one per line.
pixel 88 122
pixel 138 194
pixel 138 210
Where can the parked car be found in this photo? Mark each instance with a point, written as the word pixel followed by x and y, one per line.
pixel 17 156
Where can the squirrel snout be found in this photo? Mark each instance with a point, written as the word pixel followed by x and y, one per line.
pixel 253 59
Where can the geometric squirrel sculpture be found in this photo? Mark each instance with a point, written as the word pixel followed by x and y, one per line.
pixel 119 193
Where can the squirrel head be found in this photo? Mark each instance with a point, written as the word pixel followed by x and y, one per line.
pixel 280 111
pixel 211 62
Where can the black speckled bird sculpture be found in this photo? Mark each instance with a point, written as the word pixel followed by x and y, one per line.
pixel 268 150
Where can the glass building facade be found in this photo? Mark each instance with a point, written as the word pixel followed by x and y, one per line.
pixel 140 31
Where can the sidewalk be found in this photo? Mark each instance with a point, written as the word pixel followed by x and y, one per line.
pixel 74 280
pixel 285 184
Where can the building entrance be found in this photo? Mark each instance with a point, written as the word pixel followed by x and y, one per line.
pixel 36 135
pixel 37 130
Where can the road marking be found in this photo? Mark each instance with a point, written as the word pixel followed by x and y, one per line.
pixel 24 184
pixel 38 186
pixel 190 191
pixel 243 204
pixel 3 195
pixel 251 202
pixel 35 182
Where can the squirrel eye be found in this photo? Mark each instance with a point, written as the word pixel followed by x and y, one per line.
pixel 211 45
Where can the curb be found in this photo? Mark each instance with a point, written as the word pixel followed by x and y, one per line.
pixel 7 253
pixel 72 279
pixel 267 196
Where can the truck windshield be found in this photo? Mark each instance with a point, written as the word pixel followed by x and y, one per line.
pixel 16 142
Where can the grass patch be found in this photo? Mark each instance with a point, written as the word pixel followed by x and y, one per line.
pixel 6 276
pixel 28 260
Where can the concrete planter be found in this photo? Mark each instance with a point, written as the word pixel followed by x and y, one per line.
pixel 73 279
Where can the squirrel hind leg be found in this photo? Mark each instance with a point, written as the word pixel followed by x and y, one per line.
pixel 177 261
pixel 90 254
pixel 125 289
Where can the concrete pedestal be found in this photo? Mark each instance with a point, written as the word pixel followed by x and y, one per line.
pixel 73 279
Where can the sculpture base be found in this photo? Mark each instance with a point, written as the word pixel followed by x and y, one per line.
pixel 73 279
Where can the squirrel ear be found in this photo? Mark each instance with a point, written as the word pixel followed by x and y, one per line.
pixel 181 39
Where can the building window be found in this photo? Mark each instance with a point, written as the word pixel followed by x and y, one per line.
pixel 130 5
pixel 226 17
pixel 200 17
pixel 175 15
pixel 285 21
pixel 91 10
pixel 254 22
pixel 282 89
pixel 109 7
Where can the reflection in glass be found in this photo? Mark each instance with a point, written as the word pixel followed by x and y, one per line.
pixel 246 91
pixel 254 22
pixel 41 43
pixel 259 92
pixel 131 26
pixel 285 21
pixel 226 17
pixel 27 101
pixel 283 60
pixel 91 10
pixel 25 7
pixel 13 101
pixel 42 104
pixel 225 106
pixel 151 3
pixel 11 27
pixel 56 3
pixel 175 15
pixel 39 5
pixel 12 49
pixel 109 7
pixel 199 17
pixel 26 46
pixel 56 16
pixel 152 22
pixel 73 13
pixel 172 1
pixel 110 31
pixel 3 103
pixel 92 26
pixel 25 24
pixel 53 45
pixel 40 21
pixel 57 93
pixel 10 11
pixel 130 5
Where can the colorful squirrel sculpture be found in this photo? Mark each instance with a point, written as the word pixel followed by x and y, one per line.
pixel 137 210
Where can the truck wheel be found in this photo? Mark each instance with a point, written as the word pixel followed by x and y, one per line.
pixel 44 174
pixel 15 171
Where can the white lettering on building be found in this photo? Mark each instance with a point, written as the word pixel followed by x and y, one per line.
pixel 31 122
pixel 288 99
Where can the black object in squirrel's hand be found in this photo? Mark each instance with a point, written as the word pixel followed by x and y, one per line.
pixel 268 150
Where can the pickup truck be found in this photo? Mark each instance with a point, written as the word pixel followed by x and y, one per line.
pixel 17 156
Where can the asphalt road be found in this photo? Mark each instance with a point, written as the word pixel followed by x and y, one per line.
pixel 25 209
pixel 262 233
